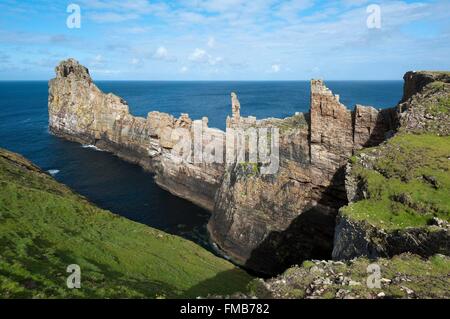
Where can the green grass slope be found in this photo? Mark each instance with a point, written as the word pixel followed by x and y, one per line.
pixel 44 227
pixel 407 182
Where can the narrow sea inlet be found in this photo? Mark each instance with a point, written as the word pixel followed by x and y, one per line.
pixel 125 188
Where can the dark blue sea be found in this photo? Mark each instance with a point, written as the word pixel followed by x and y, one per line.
pixel 125 188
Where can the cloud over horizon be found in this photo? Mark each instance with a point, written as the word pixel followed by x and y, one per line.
pixel 225 39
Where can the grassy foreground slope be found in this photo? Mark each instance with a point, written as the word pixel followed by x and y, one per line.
pixel 44 227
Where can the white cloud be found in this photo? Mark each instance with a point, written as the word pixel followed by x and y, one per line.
pixel 113 11
pixel 275 68
pixel 201 56
pixel 161 53
pixel 184 69
pixel 211 42
pixel 215 60
pixel 220 5
pixel 257 38
pixel 290 9
pixel 110 17
pixel 136 30
pixel 354 3
pixel 105 71
pixel 135 5
pixel 98 60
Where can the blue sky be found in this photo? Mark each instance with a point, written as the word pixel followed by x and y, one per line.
pixel 225 39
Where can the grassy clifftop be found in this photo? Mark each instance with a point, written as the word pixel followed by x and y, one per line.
pixel 406 182
pixel 44 227
pixel 399 190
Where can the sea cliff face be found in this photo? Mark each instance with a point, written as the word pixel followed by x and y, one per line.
pixel 398 217
pixel 80 112
pixel 266 222
pixel 271 222
pixel 398 191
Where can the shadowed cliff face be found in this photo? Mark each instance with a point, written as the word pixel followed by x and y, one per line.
pixel 268 223
pixel 416 81
pixel 265 222
pixel 399 191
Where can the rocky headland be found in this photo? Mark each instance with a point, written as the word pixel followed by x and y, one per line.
pixel 399 191
pixel 397 220
pixel 80 112
pixel 268 222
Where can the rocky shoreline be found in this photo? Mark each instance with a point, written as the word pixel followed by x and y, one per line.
pixel 265 222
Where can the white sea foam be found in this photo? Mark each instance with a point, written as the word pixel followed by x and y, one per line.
pixel 92 146
pixel 53 172
pixel 220 251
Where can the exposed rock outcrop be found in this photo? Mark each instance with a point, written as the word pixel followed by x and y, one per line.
pixel 416 81
pixel 355 238
pixel 266 222
pixel 270 222
pixel 398 191
pixel 428 109
pixel 79 111
pixel 405 276
pixel 371 126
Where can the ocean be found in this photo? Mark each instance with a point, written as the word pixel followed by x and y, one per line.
pixel 126 189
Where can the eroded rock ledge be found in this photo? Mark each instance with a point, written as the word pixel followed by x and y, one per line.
pixel 266 222
pixel 271 222
pixel 80 112
pixel 398 191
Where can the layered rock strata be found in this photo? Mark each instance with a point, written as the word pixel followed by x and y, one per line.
pixel 416 81
pixel 264 221
pixel 80 112
pixel 398 191
pixel 270 222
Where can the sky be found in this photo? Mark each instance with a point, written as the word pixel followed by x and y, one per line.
pixel 225 39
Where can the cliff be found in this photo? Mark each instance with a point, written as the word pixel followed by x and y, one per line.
pixel 263 221
pixel 268 223
pixel 80 112
pixel 45 227
pixel 398 191
pixel 398 195
pixel 416 81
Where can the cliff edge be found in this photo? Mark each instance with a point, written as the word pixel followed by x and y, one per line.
pixel 392 239
pixel 80 112
pixel 399 191
pixel 266 222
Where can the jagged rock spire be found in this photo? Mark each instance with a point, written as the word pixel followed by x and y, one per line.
pixel 72 67
pixel 235 106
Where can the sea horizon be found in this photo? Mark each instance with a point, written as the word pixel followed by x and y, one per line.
pixel 100 80
pixel 225 149
pixel 84 169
